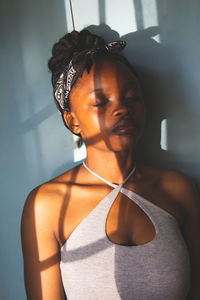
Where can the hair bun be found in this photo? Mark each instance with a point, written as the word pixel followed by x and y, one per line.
pixel 69 44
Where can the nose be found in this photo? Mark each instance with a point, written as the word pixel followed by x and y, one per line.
pixel 121 108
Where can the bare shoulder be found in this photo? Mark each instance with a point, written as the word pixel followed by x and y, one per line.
pixel 178 186
pixel 45 200
pixel 40 238
pixel 181 187
pixel 182 191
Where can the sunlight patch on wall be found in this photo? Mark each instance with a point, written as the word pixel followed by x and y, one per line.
pixel 163 137
pixel 69 22
pixel 85 13
pixel 120 16
pixel 150 15
pixel 79 153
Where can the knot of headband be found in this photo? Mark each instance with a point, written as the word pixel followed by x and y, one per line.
pixel 75 68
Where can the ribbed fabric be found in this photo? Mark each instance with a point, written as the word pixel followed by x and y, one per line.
pixel 94 268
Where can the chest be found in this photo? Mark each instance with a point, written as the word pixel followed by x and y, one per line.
pixel 126 222
pixel 139 272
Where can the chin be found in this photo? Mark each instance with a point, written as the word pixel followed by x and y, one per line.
pixel 124 143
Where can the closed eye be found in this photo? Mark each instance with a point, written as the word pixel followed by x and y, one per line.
pixel 100 101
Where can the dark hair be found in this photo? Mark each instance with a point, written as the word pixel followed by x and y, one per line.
pixel 71 44
pixel 67 46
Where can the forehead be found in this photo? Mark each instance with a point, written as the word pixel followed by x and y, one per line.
pixel 104 73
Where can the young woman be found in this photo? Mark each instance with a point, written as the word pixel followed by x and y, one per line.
pixel 110 228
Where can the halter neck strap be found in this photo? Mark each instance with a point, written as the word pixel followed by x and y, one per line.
pixel 108 182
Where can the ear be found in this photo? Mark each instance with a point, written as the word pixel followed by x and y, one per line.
pixel 71 122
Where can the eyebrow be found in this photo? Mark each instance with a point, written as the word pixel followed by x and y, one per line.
pixel 97 90
pixel 130 82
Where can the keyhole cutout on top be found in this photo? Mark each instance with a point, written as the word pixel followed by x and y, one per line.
pixel 127 224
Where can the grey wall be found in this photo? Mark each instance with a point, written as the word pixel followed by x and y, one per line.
pixel 34 143
pixel 35 146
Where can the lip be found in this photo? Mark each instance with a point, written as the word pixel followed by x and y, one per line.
pixel 123 127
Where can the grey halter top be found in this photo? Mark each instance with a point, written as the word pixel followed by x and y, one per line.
pixel 94 268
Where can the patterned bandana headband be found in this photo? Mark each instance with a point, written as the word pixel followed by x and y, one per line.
pixel 75 68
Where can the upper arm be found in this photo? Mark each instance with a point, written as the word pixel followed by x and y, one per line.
pixel 184 192
pixel 40 249
pixel 191 233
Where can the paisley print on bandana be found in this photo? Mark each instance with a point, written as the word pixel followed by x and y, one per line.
pixel 75 69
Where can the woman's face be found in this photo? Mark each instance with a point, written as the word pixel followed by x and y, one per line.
pixel 107 107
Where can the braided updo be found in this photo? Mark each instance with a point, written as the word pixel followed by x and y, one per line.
pixel 67 46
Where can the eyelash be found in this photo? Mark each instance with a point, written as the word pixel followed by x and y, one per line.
pixel 132 98
pixel 101 103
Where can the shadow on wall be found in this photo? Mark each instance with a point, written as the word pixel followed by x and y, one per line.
pixel 158 70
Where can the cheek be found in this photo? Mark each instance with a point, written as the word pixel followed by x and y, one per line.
pixel 140 111
pixel 90 124
pixel 139 117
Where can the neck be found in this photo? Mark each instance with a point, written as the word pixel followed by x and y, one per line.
pixel 113 166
